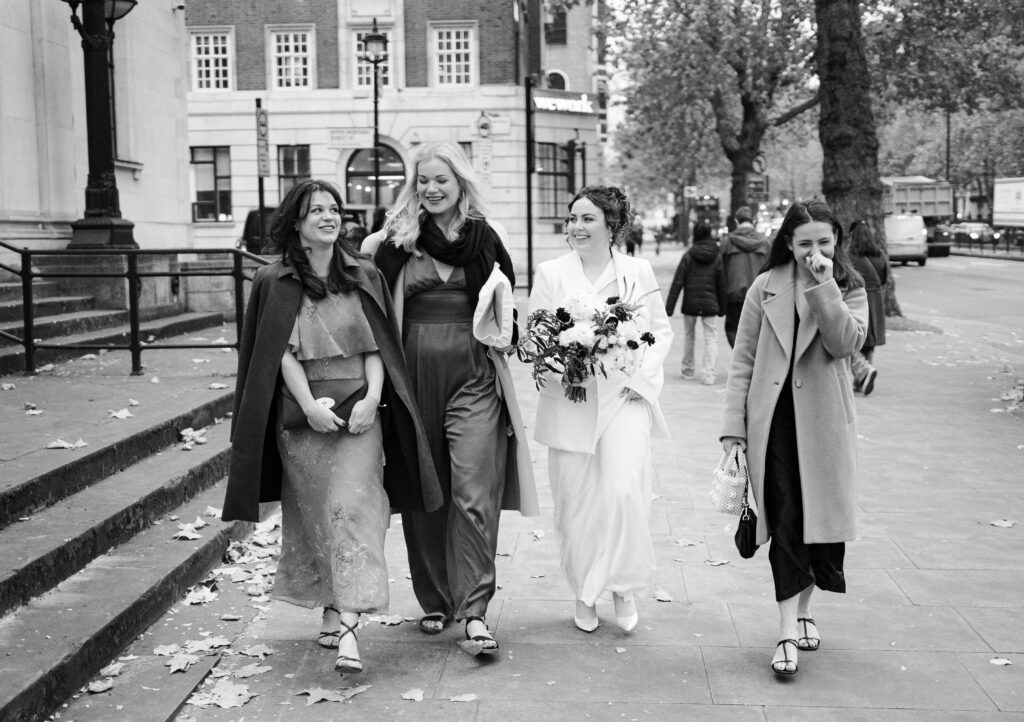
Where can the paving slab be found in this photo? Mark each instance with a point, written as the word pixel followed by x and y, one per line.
pixel 962 587
pixel 1001 628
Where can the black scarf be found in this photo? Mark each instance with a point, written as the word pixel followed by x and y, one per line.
pixel 475 250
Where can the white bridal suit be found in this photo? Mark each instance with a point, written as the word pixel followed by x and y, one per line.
pixel 599 457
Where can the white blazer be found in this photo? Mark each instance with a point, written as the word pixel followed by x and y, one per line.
pixel 570 426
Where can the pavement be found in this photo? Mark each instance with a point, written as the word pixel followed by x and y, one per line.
pixel 932 626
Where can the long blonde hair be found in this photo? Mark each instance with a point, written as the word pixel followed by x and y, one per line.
pixel 403 222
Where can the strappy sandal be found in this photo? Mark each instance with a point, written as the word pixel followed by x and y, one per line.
pixel 785 659
pixel 343 664
pixel 329 640
pixel 807 643
pixel 436 617
pixel 488 644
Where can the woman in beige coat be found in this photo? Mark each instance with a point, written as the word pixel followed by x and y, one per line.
pixel 789 402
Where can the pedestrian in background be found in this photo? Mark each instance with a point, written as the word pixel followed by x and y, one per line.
pixel 599 449
pixel 436 251
pixel 869 260
pixel 320 313
pixel 744 252
pixel 789 403
pixel 701 279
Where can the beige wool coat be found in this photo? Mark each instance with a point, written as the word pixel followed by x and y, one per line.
pixel 832 327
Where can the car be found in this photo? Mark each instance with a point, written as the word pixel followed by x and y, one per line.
pixel 971 232
pixel 906 239
pixel 940 240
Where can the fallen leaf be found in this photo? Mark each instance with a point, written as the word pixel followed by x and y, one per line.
pixel 206 645
pixel 1003 523
pixel 385 619
pixel 251 670
pixel 181 662
pixel 200 360
pixel 199 523
pixel 100 685
pixel 154 380
pixel 7 387
pixel 230 617
pixel 120 414
pixel 61 444
pixel 538 534
pixel 133 402
pixel 167 650
pixel 620 650
pixel 661 595
pixel 45 367
pixel 716 562
pixel 200 594
pixel 685 543
pixel 224 694
pixel 216 386
pixel 33 412
pixel 128 657
pixel 414 695
pixel 463 698
pixel 112 670
pixel 1000 661
pixel 213 511
pixel 258 650
pixel 551 683
pixel 186 531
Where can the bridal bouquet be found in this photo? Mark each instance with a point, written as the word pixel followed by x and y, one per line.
pixel 589 334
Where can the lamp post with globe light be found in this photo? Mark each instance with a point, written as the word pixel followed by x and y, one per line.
pixel 375 47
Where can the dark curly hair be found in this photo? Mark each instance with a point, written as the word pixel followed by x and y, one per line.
pixel 613 203
pixel 779 254
pixel 284 236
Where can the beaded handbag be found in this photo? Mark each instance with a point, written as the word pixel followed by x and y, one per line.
pixel 729 482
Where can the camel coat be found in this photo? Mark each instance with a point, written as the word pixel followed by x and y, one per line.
pixel 833 327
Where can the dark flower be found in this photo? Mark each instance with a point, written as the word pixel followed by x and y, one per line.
pixel 612 300
pixel 562 315
pixel 647 337
pixel 632 344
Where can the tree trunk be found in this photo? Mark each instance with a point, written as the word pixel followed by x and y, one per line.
pixel 846 125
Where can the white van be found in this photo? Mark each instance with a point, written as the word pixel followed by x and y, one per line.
pixel 906 239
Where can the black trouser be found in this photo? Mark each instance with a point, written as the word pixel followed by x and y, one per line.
pixel 732 320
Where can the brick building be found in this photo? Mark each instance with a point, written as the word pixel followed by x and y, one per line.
pixel 455 70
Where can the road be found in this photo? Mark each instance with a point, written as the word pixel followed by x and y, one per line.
pixel 959 293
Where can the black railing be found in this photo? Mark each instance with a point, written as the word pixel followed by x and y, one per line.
pixel 1011 240
pixel 134 276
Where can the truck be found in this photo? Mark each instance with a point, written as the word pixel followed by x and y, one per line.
pixel 1008 208
pixel 925 197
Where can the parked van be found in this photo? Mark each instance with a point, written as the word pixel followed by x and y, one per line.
pixel 906 239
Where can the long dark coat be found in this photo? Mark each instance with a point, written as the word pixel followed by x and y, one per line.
pixel 255 472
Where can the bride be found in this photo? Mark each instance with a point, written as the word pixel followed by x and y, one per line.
pixel 599 458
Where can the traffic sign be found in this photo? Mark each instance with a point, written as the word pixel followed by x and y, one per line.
pixel 689 191
pixel 262 143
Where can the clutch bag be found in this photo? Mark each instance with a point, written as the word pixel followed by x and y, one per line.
pixel 338 395
pixel 746 532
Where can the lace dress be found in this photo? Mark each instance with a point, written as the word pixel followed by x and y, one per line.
pixel 334 509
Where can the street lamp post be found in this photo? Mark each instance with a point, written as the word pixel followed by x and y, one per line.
pixel 102 225
pixel 375 46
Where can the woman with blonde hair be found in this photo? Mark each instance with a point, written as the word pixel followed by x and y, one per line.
pixel 436 251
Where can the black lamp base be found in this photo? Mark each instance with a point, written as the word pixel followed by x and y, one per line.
pixel 102 232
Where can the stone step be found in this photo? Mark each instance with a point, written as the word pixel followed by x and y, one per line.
pixel 43 550
pixel 36 479
pixel 67 324
pixel 12 357
pixel 12 290
pixel 56 642
pixel 12 311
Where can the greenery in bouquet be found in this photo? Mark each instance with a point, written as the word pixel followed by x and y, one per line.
pixel 588 335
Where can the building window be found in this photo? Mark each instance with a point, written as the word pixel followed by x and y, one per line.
pixel 359 175
pixel 211 60
pixel 292 166
pixel 454 55
pixel 364 68
pixel 556 81
pixel 211 183
pixel 554 31
pixel 553 172
pixel 292 58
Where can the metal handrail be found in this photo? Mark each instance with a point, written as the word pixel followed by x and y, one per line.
pixel 133 275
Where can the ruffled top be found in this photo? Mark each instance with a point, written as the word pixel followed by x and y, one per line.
pixel 333 326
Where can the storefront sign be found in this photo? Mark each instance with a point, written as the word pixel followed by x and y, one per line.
pixel 564 103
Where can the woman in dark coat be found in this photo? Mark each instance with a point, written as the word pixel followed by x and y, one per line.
pixel 867 257
pixel 322 313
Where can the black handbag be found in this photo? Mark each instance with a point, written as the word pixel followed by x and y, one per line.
pixel 339 395
pixel 746 531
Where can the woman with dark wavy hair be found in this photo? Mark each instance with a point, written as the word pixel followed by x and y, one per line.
pixel 789 403
pixel 869 259
pixel 321 313
pixel 599 449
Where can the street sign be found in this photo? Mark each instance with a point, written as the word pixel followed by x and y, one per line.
pixel 262 143
pixel 349 138
pixel 757 188
pixel 689 191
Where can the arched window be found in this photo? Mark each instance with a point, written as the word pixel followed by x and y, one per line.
pixel 557 81
pixel 359 180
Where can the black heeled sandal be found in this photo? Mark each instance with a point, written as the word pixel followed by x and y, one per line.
pixel 807 643
pixel 785 659
pixel 343 664
pixel 329 640
pixel 488 644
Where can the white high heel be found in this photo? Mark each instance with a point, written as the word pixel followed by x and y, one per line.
pixel 626 615
pixel 586 616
